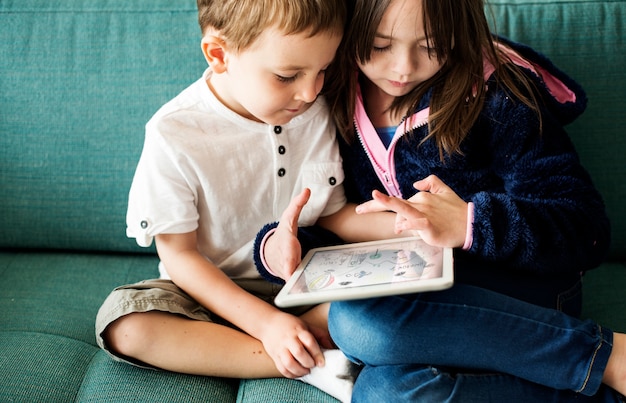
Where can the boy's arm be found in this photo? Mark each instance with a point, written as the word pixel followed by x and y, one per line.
pixel 286 338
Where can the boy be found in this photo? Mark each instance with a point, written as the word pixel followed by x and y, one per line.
pixel 219 161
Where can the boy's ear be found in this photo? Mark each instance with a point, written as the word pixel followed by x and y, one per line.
pixel 214 50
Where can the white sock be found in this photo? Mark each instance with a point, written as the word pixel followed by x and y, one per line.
pixel 336 377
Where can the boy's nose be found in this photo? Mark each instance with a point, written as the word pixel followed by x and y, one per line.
pixel 310 89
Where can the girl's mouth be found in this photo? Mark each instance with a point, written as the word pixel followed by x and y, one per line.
pixel 399 84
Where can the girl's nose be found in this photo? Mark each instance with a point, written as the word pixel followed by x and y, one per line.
pixel 405 62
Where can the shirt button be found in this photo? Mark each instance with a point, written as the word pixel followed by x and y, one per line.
pixel 278 129
pixel 281 172
pixel 281 149
pixel 144 224
pixel 332 181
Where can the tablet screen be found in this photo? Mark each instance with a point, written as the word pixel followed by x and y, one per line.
pixel 368 269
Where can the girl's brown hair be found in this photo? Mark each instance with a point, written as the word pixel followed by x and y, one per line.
pixel 458 33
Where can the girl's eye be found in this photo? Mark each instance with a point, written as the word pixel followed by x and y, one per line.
pixel 381 49
pixel 432 52
pixel 284 79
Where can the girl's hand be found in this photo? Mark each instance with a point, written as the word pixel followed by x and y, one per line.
pixel 291 345
pixel 436 214
pixel 282 249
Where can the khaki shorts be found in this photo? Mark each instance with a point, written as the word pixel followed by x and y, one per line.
pixel 165 296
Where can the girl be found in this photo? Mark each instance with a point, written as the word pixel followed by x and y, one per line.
pixel 427 93
pixel 438 97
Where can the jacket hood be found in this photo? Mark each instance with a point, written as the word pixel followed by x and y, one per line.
pixel 562 96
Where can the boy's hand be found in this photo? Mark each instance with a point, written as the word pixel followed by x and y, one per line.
pixel 282 249
pixel 291 345
pixel 436 213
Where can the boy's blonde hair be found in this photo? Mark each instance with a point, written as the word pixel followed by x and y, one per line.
pixel 242 21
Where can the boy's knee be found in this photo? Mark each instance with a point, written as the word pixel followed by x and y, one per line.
pixel 128 335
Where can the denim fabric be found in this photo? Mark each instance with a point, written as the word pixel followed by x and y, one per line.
pixel 449 342
pixel 414 383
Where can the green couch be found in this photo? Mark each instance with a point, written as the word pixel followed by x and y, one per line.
pixel 78 81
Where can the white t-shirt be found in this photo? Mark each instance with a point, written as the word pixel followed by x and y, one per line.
pixel 204 167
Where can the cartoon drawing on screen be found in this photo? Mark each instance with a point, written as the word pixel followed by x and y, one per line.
pixel 404 269
pixel 370 266
pixel 321 282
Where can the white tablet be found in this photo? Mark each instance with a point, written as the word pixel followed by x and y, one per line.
pixel 368 269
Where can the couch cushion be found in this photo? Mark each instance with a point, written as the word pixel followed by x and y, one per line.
pixel 60 294
pixel 37 367
pixel 74 104
pixel 109 381
pixel 48 306
pixel 587 40
pixel 280 390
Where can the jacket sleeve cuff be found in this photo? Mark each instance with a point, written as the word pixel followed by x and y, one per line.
pixel 259 255
pixel 309 237
pixel 469 231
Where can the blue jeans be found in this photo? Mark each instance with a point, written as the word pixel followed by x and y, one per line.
pixel 469 344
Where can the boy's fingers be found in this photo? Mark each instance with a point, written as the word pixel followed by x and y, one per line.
pixel 313 351
pixel 291 368
pixel 292 213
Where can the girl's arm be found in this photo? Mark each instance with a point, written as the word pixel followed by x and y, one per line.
pixel 353 227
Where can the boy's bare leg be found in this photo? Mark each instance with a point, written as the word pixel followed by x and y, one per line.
pixel 179 344
pixel 615 372
pixel 183 345
pixel 317 317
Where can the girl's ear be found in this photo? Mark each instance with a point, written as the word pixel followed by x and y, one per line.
pixel 214 50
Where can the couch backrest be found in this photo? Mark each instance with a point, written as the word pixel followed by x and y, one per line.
pixel 80 78
pixel 78 81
